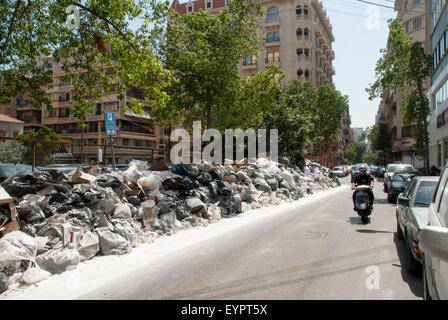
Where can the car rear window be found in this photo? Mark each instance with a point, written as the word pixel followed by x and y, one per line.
pixel 400 168
pixel 424 192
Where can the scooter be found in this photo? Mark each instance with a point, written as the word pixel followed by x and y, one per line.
pixel 362 203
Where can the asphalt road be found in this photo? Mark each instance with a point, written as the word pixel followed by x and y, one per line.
pixel 314 250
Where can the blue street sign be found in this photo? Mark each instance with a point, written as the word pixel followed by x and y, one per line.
pixel 109 118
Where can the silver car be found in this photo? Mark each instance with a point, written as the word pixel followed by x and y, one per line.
pixel 412 216
pixel 433 242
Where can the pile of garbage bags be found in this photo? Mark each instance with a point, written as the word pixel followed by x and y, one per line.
pixel 63 222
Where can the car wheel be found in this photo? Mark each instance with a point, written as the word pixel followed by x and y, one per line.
pixel 412 265
pixel 399 231
pixel 426 295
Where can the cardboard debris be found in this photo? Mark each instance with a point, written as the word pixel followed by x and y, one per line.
pixel 160 165
pixel 81 177
pixel 13 225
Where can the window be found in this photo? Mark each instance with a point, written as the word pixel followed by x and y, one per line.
pixel 209 5
pixel 299 33
pixel 190 8
pixel 18 101
pixel 300 74
pixel 138 143
pixel 416 2
pixel 270 37
pixel 272 14
pixel 125 142
pixel 299 10
pixel 307 74
pixel 276 37
pixel 272 57
pixel 406 27
pixel 305 10
pixel 417 23
pixel 306 33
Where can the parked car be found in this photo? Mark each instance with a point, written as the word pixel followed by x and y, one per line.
pixel 398 181
pixel 355 169
pixel 9 169
pixel 338 172
pixel 380 171
pixel 412 216
pixel 390 170
pixel 433 242
pixel 374 170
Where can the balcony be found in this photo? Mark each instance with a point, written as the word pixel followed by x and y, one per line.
pixel 269 61
pixel 303 58
pixel 274 21
pixel 272 44
pixel 249 65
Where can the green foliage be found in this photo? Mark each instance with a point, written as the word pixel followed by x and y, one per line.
pixel 12 152
pixel 203 50
pixel 43 151
pixel 331 105
pixel 294 116
pixel 380 137
pixel 404 67
pixel 36 34
pixel 370 158
pixel 356 152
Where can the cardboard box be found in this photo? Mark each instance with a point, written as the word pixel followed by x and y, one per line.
pixel 81 177
pixel 14 225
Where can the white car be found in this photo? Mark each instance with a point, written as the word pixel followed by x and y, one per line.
pixel 338 172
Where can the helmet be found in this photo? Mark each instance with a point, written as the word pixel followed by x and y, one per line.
pixel 362 169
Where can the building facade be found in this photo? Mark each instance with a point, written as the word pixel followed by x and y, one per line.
pixel 438 92
pixel 137 137
pixel 295 35
pixel 412 14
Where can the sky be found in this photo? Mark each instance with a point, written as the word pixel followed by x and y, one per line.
pixel 360 31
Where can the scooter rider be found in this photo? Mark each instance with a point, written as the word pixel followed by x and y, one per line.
pixel 363 178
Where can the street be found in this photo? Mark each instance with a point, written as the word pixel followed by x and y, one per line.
pixel 316 248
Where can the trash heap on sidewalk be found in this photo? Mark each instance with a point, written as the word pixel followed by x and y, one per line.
pixel 67 219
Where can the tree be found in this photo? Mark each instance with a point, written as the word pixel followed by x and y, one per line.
pixel 404 67
pixel 380 137
pixel 355 152
pixel 43 151
pixel 294 116
pixel 203 50
pixel 370 158
pixel 331 105
pixel 12 152
pixel 37 33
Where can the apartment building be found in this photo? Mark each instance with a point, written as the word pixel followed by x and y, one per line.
pixel 411 13
pixel 138 137
pixel 297 36
pixel 438 91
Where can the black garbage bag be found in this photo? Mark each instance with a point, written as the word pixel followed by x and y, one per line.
pixel 4 215
pixel 135 201
pixel 20 185
pixel 273 183
pixel 190 184
pixel 217 173
pixel 3 283
pixel 262 185
pixel 205 178
pixel 191 170
pixel 196 206
pixel 181 212
pixel 202 193
pixel 166 205
pixel 220 188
